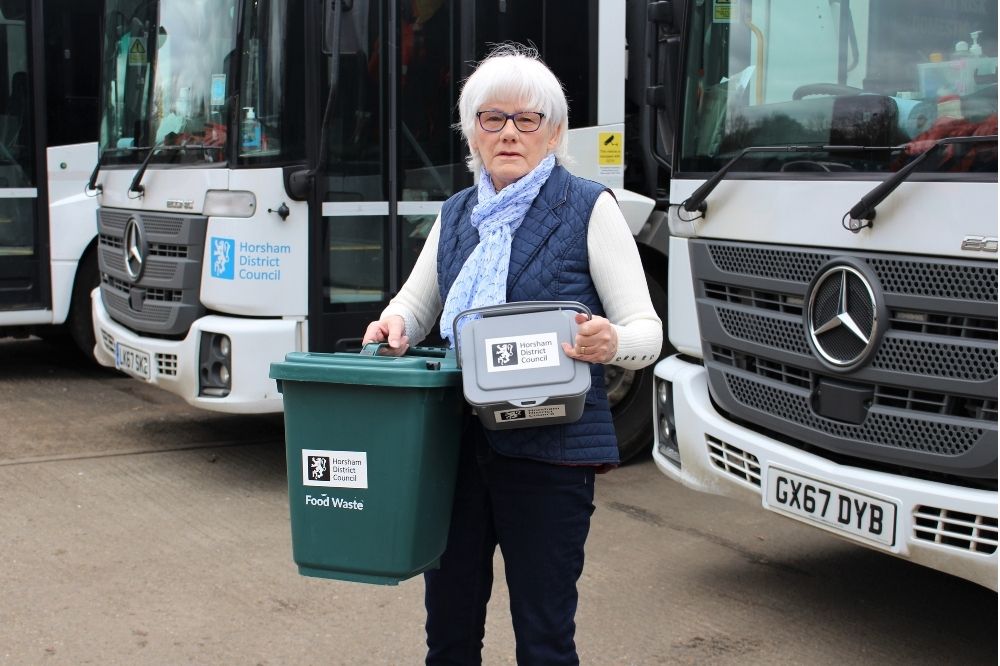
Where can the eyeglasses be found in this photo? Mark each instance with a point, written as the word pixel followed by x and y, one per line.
pixel 525 121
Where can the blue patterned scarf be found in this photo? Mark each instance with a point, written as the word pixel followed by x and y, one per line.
pixel 483 278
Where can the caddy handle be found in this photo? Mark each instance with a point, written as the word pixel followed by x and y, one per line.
pixel 520 307
pixel 373 348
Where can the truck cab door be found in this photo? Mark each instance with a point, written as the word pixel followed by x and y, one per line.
pixel 391 160
pixel 24 250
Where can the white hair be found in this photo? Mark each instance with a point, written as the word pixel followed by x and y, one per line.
pixel 514 72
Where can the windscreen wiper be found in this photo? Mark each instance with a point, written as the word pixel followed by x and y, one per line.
pixel 696 202
pixel 93 189
pixel 136 186
pixel 863 212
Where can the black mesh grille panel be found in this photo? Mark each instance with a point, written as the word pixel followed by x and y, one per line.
pixel 159 225
pixel 924 396
pixel 161 271
pixel 969 283
pixel 913 277
pixel 937 359
pixel 879 429
pixel 764 330
pixel 767 262
pixel 150 314
pixel 980 409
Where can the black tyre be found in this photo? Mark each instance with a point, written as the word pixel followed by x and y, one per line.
pixel 631 391
pixel 80 321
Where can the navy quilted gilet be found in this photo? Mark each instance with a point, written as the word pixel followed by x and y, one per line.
pixel 548 262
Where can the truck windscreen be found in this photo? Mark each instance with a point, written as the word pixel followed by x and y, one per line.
pixel 166 69
pixel 896 74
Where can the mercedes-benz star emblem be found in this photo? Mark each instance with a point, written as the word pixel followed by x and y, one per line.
pixel 842 316
pixel 135 249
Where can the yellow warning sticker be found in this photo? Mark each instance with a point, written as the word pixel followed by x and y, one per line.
pixel 609 149
pixel 722 11
pixel 137 52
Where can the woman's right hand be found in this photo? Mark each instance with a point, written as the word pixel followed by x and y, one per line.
pixel 388 329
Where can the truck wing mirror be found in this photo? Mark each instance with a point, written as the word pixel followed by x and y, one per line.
pixel 299 183
pixel 661 13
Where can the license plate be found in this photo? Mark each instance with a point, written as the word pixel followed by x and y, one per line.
pixel 132 361
pixel 833 507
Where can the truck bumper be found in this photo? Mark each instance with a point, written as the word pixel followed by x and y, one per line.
pixel 175 365
pixel 948 528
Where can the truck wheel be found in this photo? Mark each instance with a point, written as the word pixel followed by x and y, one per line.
pixel 80 320
pixel 630 392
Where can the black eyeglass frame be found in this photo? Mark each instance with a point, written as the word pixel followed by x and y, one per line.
pixel 509 117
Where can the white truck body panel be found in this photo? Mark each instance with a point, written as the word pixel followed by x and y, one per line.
pixel 72 225
pixel 697 419
pixel 256 343
pixel 923 218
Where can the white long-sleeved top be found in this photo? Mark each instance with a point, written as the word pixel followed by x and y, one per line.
pixel 615 268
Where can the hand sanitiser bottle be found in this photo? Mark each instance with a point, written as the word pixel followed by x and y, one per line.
pixel 975 50
pixel 250 130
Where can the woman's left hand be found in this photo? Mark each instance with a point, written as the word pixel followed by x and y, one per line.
pixel 596 340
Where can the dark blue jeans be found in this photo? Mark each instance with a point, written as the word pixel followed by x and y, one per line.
pixel 539 514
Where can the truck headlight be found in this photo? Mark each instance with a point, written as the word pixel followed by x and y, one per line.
pixel 215 365
pixel 666 431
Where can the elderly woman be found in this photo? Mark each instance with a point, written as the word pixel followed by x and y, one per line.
pixel 528 231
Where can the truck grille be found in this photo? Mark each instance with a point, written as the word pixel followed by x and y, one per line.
pixel 733 460
pixel 164 299
pixel 926 397
pixel 964 531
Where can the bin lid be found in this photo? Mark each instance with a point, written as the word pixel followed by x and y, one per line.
pixel 519 356
pixel 420 367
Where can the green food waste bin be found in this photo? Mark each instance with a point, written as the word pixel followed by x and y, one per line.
pixel 372 445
